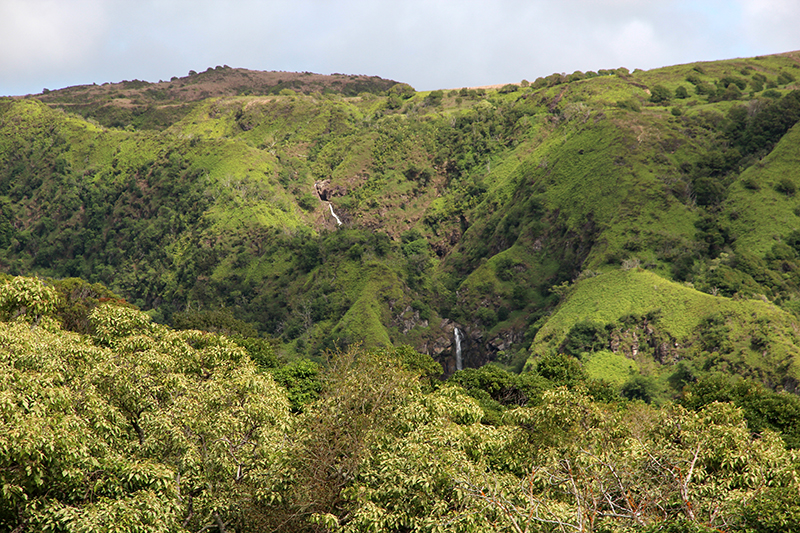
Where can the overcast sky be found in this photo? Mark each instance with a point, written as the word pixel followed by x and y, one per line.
pixel 431 44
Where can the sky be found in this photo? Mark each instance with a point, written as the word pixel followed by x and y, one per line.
pixel 430 44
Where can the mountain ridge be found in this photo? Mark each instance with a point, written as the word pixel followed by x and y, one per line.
pixel 113 103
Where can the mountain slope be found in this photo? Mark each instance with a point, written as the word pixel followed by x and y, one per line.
pixel 490 212
pixel 648 319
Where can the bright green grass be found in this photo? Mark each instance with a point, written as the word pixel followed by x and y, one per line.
pixel 365 320
pixel 765 215
pixel 673 76
pixel 609 366
pixel 604 91
pixel 612 295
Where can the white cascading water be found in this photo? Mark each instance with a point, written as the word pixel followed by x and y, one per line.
pixel 338 221
pixel 459 363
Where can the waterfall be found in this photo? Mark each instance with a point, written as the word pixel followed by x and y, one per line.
pixel 338 220
pixel 459 363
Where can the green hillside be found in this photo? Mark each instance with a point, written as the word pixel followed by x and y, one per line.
pixel 657 323
pixel 612 198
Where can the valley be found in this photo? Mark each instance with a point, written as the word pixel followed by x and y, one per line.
pixel 326 216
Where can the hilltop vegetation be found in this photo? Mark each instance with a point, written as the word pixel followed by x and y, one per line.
pixel 148 105
pixel 644 223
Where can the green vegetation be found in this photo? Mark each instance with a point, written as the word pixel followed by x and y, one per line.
pixel 140 427
pixel 487 209
pixel 295 255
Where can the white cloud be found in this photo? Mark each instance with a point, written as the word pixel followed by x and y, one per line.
pixel 772 25
pixel 49 34
pixel 428 43
pixel 635 42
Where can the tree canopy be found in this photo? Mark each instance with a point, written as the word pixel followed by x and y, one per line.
pixel 138 427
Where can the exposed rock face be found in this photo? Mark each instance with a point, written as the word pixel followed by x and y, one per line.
pixel 438 345
pixel 475 351
pixel 409 319
pixel 446 354
pixel 632 340
pixel 503 342
pixel 326 190
pixel 437 338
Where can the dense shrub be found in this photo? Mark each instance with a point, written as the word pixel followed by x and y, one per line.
pixel 786 186
pixel 585 336
pixel 660 94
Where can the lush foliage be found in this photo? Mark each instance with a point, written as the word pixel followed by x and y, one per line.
pixel 142 428
pixel 629 242
pixel 136 428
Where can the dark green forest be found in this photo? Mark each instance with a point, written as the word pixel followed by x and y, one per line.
pixel 231 302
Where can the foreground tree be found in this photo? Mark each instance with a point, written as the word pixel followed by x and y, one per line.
pixel 595 468
pixel 376 452
pixel 139 428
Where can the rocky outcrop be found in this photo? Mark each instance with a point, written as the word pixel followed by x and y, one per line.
pixel 632 339
pixel 436 337
pixel 504 341
pixel 475 350
pixel 326 190
pixel 408 320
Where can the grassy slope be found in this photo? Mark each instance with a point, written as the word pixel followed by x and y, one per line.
pixel 763 216
pixel 608 297
pixel 630 189
pixel 593 174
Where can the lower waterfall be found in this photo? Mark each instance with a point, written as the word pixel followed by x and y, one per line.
pixel 459 362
